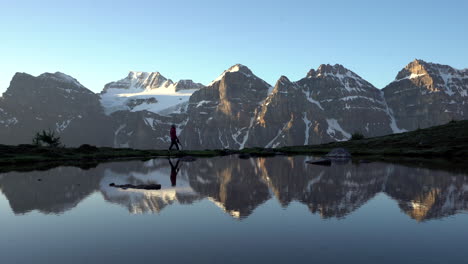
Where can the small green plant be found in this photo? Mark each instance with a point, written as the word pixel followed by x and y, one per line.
pixel 453 121
pixel 47 138
pixel 357 136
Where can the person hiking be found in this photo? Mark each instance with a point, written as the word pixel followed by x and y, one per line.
pixel 174 139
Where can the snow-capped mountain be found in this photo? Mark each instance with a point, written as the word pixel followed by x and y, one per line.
pixel 221 114
pixel 329 104
pixel 236 110
pixel 427 94
pixel 147 91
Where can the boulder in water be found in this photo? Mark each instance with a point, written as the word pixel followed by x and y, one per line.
pixel 141 186
pixel 338 153
pixel 86 148
pixel 323 162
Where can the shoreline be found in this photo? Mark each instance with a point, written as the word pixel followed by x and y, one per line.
pixel 448 141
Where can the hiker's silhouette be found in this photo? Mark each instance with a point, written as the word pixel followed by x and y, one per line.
pixel 174 139
pixel 174 170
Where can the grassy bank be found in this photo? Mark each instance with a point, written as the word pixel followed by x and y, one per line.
pixel 447 141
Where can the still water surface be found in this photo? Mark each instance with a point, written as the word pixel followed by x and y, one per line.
pixel 229 210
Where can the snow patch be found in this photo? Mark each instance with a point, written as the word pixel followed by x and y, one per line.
pixel 333 127
pixel 117 131
pixel 61 77
pixel 270 90
pixel 116 100
pixel 280 131
pixel 308 124
pixel 149 121
pixel 9 122
pixel 411 76
pixel 393 124
pixel 310 99
pixel 203 102
pixel 235 68
pixel 60 127
pixel 246 136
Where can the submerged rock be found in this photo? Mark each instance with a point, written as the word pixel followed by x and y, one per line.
pixel 339 153
pixel 141 186
pixel 323 162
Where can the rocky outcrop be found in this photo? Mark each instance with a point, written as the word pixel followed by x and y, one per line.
pixel 428 94
pixel 187 85
pixel 329 104
pixel 339 153
pixel 221 115
pixel 140 81
pixel 55 102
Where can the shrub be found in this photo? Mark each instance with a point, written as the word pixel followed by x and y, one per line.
pixel 47 138
pixel 357 136
pixel 86 148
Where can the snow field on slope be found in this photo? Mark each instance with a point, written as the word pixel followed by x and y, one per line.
pixel 116 99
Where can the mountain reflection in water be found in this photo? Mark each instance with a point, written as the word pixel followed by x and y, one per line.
pixel 239 186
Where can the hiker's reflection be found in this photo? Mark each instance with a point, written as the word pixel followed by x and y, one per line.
pixel 174 170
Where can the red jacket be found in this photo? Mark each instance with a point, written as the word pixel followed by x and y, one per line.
pixel 173 133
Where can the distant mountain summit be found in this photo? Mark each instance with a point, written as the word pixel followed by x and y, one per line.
pixel 149 91
pixel 187 85
pixel 140 81
pixel 427 94
pixel 237 109
pixel 221 114
pixel 52 101
pixel 329 104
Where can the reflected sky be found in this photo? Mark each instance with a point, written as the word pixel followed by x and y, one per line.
pixel 236 211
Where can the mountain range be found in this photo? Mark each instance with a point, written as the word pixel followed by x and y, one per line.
pixel 236 110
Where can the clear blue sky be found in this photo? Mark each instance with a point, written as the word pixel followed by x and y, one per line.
pixel 100 41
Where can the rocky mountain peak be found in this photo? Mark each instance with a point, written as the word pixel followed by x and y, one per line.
pixel 418 68
pixel 433 93
pixel 435 77
pixel 414 69
pixel 143 75
pixel 327 70
pixel 187 85
pixel 238 68
pixel 24 85
pixel 140 81
pixel 283 81
pixel 338 78
pixel 61 77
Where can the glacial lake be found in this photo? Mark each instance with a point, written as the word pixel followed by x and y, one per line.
pixel 231 210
